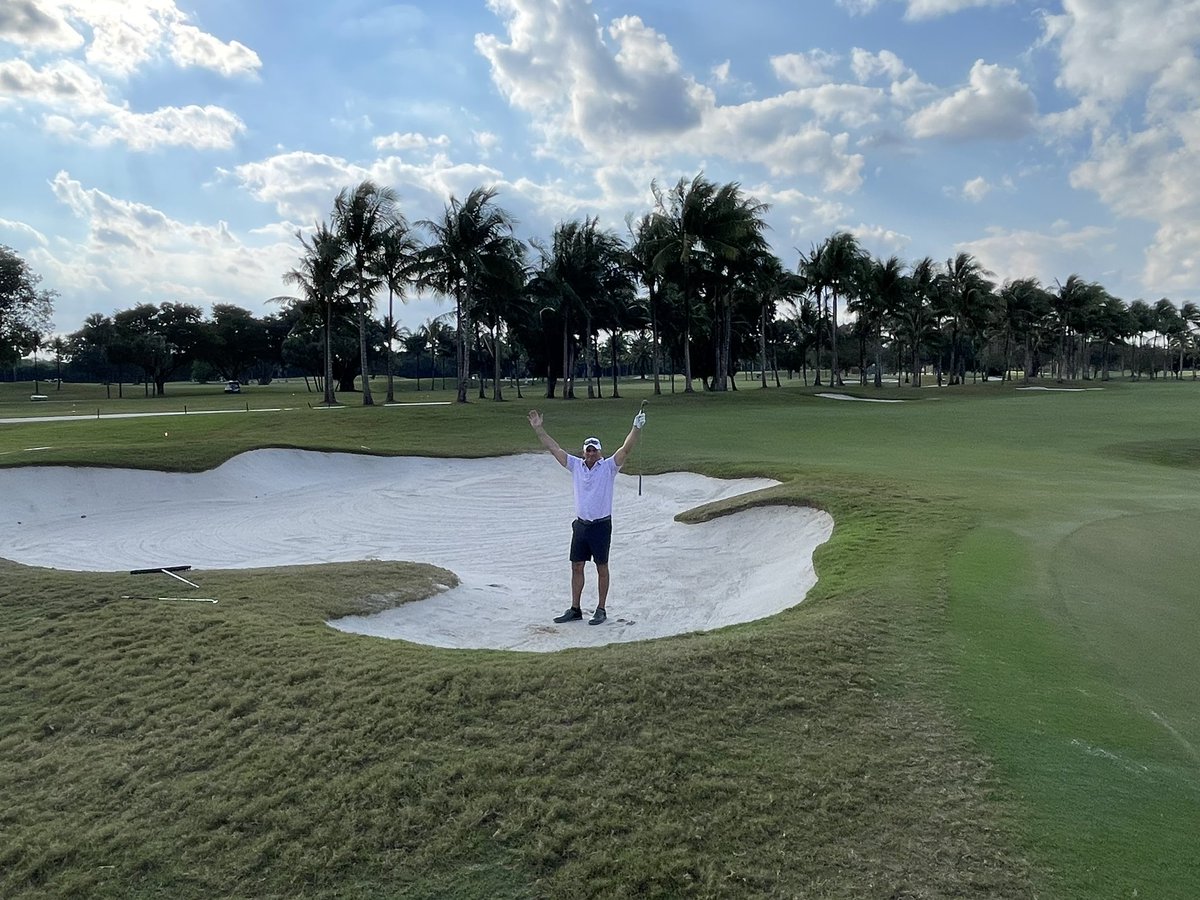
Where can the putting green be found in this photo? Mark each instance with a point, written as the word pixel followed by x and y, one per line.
pixel 1128 586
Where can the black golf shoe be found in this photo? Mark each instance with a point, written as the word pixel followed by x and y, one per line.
pixel 598 616
pixel 574 614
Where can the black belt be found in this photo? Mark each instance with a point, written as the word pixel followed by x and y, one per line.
pixel 594 521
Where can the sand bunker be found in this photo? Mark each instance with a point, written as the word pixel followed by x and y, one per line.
pixel 1061 390
pixel 501 525
pixel 859 399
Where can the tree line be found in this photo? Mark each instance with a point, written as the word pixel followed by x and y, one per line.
pixel 691 286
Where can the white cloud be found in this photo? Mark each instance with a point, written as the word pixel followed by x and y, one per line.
pixel 409 140
pixel 1047 256
pixel 300 185
pixel 124 35
pixel 25 231
pixel 62 84
pixel 633 103
pixel 1108 50
pixel 128 247
pixel 932 9
pixel 976 189
pixel 994 104
pixel 804 69
pixel 920 9
pixel 867 65
pixel 720 72
pixel 192 47
pixel 1134 70
pixel 207 127
pixel 30 24
pixel 486 141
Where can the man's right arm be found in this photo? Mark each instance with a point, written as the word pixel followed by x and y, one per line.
pixel 535 421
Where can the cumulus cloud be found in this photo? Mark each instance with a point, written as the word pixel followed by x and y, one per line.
pixel 619 93
pixel 197 127
pixel 804 69
pixel 919 9
pixel 1134 71
pixel 1108 50
pixel 1046 255
pixel 63 84
pixel 995 103
pixel 82 87
pixel 27 23
pixel 128 247
pixel 409 140
pixel 976 189
pixel 192 47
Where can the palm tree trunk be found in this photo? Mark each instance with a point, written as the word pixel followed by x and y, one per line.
pixel 391 394
pixel 496 394
pixel 329 397
pixel 835 377
pixel 762 343
pixel 460 349
pixel 367 400
pixel 654 357
pixel 613 345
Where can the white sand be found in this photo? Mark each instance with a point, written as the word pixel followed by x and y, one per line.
pixel 1060 389
pixel 859 399
pixel 501 525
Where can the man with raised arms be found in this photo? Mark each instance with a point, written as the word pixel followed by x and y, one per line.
pixel 593 476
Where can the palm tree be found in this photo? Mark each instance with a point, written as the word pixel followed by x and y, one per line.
pixel 915 318
pixel 702 227
pixel 501 299
pixel 964 303
pixel 1191 318
pixel 771 284
pixel 322 277
pixel 468 239
pixel 397 264
pixel 362 216
pixel 1023 307
pixel 648 237
pixel 883 292
pixel 1142 315
pixel 835 269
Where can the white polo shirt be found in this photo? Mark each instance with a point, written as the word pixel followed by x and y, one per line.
pixel 593 487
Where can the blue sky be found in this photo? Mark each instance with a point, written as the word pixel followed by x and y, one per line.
pixel 164 150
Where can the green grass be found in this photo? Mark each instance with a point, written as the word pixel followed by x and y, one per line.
pixel 988 694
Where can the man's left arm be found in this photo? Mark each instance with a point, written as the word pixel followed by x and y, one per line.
pixel 635 434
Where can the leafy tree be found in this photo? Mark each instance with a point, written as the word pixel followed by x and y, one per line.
pixel 233 340
pixel 162 340
pixel 25 311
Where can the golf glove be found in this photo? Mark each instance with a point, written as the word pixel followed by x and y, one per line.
pixel 639 420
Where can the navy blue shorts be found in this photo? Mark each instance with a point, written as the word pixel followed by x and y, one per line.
pixel 591 540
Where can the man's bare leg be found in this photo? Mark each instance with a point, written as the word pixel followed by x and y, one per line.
pixel 576 583
pixel 602 584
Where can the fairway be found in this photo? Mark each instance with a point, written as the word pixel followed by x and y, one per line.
pixel 989 692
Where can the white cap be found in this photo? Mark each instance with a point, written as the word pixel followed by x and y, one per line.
pixel 592 442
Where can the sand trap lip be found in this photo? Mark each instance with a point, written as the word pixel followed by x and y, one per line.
pixel 1058 390
pixel 501 525
pixel 859 399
